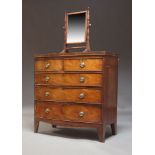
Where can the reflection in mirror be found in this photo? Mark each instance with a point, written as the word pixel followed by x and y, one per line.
pixel 76 28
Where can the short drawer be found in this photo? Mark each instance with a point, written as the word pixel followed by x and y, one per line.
pixel 48 65
pixel 46 78
pixel 83 64
pixel 68 112
pixel 69 79
pixel 68 94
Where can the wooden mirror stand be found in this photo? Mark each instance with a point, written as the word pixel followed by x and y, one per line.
pixel 77 45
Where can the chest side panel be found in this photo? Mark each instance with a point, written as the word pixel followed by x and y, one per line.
pixel 110 88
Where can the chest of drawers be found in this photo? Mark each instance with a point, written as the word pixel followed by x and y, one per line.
pixel 76 90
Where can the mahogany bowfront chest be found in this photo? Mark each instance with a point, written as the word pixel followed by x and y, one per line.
pixel 76 90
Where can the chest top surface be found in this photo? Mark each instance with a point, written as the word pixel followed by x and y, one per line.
pixel 76 54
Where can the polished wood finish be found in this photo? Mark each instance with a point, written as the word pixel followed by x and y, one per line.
pixel 88 64
pixel 48 65
pixel 67 94
pixel 114 128
pixel 68 112
pixel 67 79
pixel 63 98
pixel 101 133
pixel 91 113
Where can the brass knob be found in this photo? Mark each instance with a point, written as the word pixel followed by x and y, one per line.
pixel 47 110
pixel 81 113
pixel 82 79
pixel 47 65
pixel 47 93
pixel 47 78
pixel 81 96
pixel 82 64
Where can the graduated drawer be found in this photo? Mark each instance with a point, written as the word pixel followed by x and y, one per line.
pixel 48 65
pixel 83 64
pixel 69 79
pixel 68 94
pixel 67 112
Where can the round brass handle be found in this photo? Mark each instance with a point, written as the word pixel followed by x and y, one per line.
pixel 47 78
pixel 81 96
pixel 47 110
pixel 47 65
pixel 47 93
pixel 82 64
pixel 82 79
pixel 81 113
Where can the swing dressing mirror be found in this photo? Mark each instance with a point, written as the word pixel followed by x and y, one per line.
pixel 76 31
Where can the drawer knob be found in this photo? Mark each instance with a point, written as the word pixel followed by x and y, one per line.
pixel 81 113
pixel 82 79
pixel 81 96
pixel 47 65
pixel 82 64
pixel 47 93
pixel 47 110
pixel 47 78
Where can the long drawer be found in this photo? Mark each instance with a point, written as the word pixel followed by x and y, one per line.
pixel 68 112
pixel 68 94
pixel 69 79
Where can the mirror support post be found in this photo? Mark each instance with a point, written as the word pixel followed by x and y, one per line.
pixel 87 33
pixel 65 34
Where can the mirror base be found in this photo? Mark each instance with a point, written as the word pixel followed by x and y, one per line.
pixel 87 50
pixel 64 51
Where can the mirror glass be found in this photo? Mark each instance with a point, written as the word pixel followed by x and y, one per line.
pixel 76 28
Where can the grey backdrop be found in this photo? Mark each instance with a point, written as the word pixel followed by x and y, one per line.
pixel 111 30
pixel 43 33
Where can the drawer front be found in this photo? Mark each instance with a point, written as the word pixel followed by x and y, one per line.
pixel 66 112
pixel 82 95
pixel 47 93
pixel 48 65
pixel 69 79
pixel 48 111
pixel 68 95
pixel 83 64
pixel 79 113
pixel 83 79
pixel 53 79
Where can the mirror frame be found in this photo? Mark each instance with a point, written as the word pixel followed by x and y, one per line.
pixel 77 45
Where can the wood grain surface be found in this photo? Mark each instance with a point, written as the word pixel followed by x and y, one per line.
pixel 67 94
pixel 68 112
pixel 76 90
pixel 68 79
